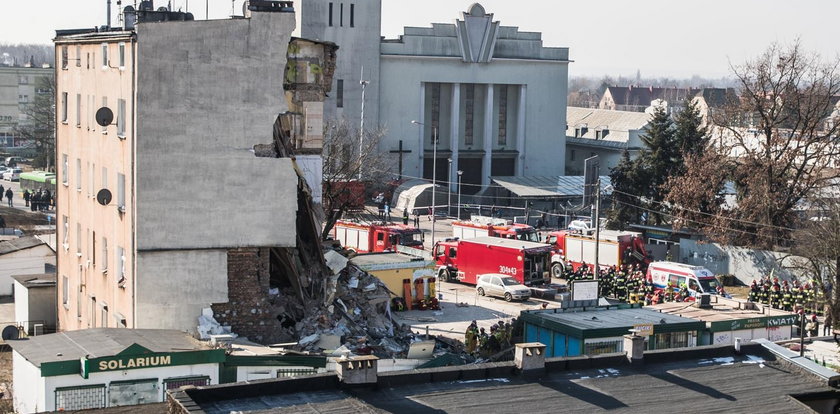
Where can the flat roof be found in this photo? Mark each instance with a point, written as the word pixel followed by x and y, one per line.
pixel 724 384
pixel 548 186
pixel 36 280
pixel 609 322
pixel 722 312
pixel 20 243
pixel 388 258
pixel 499 241
pixel 101 342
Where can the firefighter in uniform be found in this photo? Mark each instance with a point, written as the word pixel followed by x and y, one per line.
pixel 621 286
pixel 765 293
pixel 755 292
pixel 776 297
pixel 787 299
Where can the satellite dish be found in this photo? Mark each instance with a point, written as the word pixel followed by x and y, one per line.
pixel 162 9
pixel 104 116
pixel 103 196
pixel 10 332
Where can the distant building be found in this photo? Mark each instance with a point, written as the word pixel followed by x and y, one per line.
pixel 21 256
pixel 18 88
pixel 605 133
pixel 493 95
pixel 164 209
pixel 640 99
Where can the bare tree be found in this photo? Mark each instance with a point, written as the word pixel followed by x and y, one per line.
pixel 777 144
pixel 818 245
pixel 39 126
pixel 346 174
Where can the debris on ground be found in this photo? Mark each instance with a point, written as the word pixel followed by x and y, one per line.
pixel 207 326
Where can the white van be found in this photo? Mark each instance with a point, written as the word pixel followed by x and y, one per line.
pixel 697 278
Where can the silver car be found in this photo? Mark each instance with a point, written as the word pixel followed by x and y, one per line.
pixel 502 286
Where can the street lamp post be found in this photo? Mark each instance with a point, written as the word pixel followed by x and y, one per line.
pixel 460 173
pixel 434 173
pixel 449 189
pixel 364 83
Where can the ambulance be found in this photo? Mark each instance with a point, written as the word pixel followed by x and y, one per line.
pixel 697 278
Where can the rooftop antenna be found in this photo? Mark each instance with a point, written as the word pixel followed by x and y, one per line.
pixel 108 12
pixel 206 9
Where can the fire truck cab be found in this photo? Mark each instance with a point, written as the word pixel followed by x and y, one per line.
pixel 467 260
pixel 367 237
pixel 479 226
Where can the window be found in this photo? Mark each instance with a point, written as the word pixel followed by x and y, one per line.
pixel 92 320
pixel 175 383
pixel 104 316
pixel 78 174
pixel 120 266
pixel 122 56
pixel 339 93
pixel 571 155
pixel 91 184
pixel 104 104
pixel 330 17
pixel 104 177
pixel 64 57
pixel 23 80
pixel 65 292
pixel 78 239
pixel 341 14
pixel 104 256
pixel 78 110
pixel 80 398
pixel 352 15
pixel 65 166
pixel 64 107
pixel 604 347
pixel 78 56
pixel 66 224
pixel 104 56
pixel 121 118
pixel 121 191
pixel 93 249
pixel 87 60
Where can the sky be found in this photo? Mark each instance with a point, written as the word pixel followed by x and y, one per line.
pixel 658 38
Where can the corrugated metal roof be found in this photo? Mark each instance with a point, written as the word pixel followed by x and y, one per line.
pixel 549 186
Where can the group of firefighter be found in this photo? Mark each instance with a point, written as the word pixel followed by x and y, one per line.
pixel 785 296
pixel 629 284
pixel 481 344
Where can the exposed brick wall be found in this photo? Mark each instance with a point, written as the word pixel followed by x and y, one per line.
pixel 248 310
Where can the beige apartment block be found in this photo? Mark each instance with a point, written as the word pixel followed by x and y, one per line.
pixel 151 206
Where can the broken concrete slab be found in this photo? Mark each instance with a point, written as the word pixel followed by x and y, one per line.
pixel 329 342
pixel 335 261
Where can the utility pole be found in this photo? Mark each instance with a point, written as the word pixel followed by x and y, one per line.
pixel 364 83
pixel 460 173
pixel 449 190
pixel 597 225
pixel 434 174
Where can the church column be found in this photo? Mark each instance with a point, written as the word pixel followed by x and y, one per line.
pixel 455 135
pixel 486 162
pixel 520 132
pixel 421 132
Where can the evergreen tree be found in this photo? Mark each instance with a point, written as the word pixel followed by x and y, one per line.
pixel 625 182
pixel 657 161
pixel 690 135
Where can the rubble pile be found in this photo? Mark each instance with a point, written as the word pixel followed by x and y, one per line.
pixel 358 318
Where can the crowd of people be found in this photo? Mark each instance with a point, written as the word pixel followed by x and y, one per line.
pixel 785 296
pixel 41 200
pixel 482 344
pixel 628 283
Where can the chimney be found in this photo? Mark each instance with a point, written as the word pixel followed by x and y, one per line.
pixel 108 13
pixel 634 346
pixel 358 370
pixel 529 357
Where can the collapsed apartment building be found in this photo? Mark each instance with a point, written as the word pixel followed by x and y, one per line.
pixel 175 142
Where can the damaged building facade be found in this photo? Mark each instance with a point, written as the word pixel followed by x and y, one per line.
pixel 165 207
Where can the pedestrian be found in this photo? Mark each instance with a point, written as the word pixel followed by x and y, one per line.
pixel 381 208
pixel 2 191
pixel 431 213
pixel 827 323
pixel 405 216
pixel 416 218
pixel 9 194
pixel 33 201
pixel 48 199
pixel 387 212
pixel 26 197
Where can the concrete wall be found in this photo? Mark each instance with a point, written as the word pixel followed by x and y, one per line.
pixel 173 287
pixel 746 264
pixel 162 373
pixel 29 386
pixel 23 262
pixel 545 119
pixel 35 305
pixel 203 102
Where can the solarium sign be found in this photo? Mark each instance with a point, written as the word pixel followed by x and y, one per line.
pixel 138 357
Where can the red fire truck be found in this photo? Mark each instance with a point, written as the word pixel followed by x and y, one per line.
pixel 367 237
pixel 479 226
pixel 465 260
pixel 616 248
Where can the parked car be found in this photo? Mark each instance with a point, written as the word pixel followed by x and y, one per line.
pixel 502 286
pixel 12 174
pixel 3 169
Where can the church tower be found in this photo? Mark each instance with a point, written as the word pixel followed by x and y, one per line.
pixel 355 26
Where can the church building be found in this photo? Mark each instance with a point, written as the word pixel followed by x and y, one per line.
pixel 492 95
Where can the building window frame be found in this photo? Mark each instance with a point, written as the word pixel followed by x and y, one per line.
pixel 352 15
pixel 64 107
pixel 330 15
pixel 341 14
pixel 122 55
pixel 64 57
pixel 339 93
pixel 104 56
pixel 78 110
pixel 121 118
pixel 65 292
